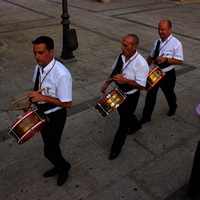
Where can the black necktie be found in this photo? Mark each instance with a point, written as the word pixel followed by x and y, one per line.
pixel 36 86
pixel 156 53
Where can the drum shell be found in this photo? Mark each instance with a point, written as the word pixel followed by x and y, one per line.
pixel 154 77
pixel 28 125
pixel 110 102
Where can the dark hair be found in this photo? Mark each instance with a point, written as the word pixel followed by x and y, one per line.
pixel 135 40
pixel 44 40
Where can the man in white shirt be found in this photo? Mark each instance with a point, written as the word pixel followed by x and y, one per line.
pixel 135 70
pixel 56 79
pixel 168 54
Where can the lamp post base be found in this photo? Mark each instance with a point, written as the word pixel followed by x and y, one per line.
pixel 65 61
pixel 67 55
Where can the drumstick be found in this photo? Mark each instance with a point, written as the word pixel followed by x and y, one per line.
pixel 110 79
pixel 25 97
pixel 13 109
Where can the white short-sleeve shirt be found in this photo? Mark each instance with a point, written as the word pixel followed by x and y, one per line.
pixel 170 48
pixel 135 69
pixel 57 82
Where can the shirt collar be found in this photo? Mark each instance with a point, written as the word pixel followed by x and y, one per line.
pixel 48 67
pixel 169 38
pixel 131 58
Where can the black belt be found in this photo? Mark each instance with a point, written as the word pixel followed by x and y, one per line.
pixel 125 87
pixel 45 106
pixel 163 65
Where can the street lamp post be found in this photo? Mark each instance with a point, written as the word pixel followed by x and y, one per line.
pixel 70 42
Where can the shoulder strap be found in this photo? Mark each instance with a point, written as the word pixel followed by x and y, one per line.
pixel 156 53
pixel 118 67
pixel 36 86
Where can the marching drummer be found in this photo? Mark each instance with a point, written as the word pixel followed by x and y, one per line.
pixel 166 53
pixel 53 101
pixel 130 72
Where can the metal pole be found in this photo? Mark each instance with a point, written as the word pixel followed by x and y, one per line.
pixel 67 52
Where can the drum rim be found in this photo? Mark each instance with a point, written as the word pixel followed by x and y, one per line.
pixel 20 118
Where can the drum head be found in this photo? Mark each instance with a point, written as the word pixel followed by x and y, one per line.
pixel 110 102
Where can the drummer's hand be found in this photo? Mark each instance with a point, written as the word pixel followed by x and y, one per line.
pixel 35 96
pixel 160 59
pixel 104 88
pixel 119 78
pixel 26 106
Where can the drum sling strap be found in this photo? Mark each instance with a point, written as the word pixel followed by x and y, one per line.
pixel 156 53
pixel 36 86
pixel 117 70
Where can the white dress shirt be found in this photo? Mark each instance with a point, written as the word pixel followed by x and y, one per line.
pixel 57 81
pixel 135 69
pixel 170 48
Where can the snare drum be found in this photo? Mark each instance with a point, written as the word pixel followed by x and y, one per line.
pixel 154 76
pixel 28 125
pixel 110 102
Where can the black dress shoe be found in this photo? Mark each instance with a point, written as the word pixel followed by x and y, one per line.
pixel 51 172
pixel 63 176
pixel 144 120
pixel 131 131
pixel 172 111
pixel 114 155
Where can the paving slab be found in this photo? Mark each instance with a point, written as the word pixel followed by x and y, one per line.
pixel 164 174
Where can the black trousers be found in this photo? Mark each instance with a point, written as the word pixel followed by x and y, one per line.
pixel 127 120
pixel 167 85
pixel 51 135
pixel 194 183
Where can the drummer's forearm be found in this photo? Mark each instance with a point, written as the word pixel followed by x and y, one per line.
pixel 149 60
pixel 134 84
pixel 173 61
pixel 108 82
pixel 28 103
pixel 57 102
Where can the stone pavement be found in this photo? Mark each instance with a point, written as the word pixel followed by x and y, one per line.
pixel 155 163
